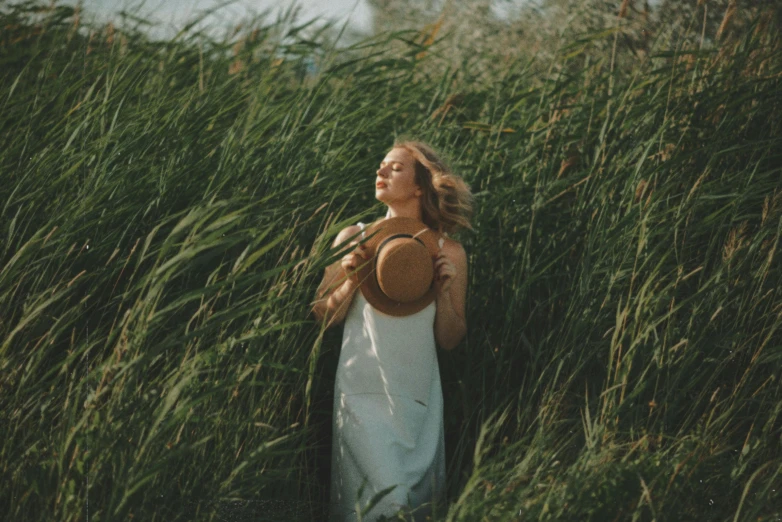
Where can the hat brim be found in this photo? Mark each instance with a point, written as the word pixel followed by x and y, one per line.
pixel 376 234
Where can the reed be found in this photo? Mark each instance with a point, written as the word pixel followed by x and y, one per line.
pixel 167 214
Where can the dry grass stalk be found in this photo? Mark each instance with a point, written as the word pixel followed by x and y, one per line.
pixel 236 66
pixel 735 241
pixel 729 13
pixel 566 165
pixel 429 40
pixel 640 189
pixel 770 206
pixel 623 8
pixel 454 100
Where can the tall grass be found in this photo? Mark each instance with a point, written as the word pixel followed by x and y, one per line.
pixel 167 211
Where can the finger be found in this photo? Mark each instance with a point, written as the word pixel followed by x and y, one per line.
pixel 442 278
pixel 446 275
pixel 448 272
pixel 443 261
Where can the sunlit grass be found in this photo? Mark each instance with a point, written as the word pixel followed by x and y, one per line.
pixel 167 208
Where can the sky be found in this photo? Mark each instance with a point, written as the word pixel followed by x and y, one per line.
pixel 173 13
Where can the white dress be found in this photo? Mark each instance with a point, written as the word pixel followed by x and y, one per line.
pixel 388 415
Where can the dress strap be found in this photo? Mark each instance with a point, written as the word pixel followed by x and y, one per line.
pixel 440 240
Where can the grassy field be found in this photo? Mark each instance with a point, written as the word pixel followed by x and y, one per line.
pixel 167 211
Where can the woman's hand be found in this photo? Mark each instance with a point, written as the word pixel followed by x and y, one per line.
pixel 335 293
pixel 444 272
pixel 353 260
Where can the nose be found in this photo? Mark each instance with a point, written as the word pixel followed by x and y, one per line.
pixel 382 172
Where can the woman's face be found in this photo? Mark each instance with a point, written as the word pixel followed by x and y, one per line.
pixel 395 181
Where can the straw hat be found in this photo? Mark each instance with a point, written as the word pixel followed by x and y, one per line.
pixel 398 278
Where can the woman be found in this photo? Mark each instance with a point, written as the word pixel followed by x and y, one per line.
pixel 388 405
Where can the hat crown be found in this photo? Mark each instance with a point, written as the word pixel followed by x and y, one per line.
pixel 404 269
pixel 398 280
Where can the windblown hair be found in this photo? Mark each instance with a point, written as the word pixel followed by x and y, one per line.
pixel 446 204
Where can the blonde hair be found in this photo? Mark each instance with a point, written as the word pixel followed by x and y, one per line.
pixel 446 202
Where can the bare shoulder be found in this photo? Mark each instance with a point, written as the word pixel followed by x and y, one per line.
pixel 454 250
pixel 346 233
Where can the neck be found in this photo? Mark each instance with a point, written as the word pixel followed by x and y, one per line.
pixel 409 210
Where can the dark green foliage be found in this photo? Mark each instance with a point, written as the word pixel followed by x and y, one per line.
pixel 167 211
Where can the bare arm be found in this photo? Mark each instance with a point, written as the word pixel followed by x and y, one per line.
pixel 336 290
pixel 450 325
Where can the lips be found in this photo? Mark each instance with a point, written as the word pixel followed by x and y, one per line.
pixel 380 184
